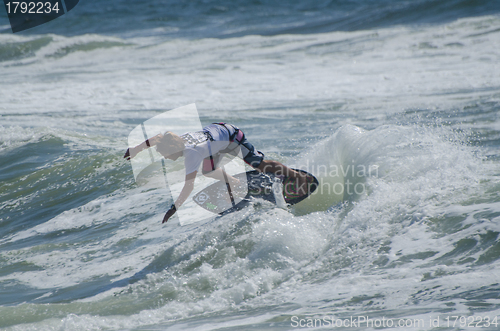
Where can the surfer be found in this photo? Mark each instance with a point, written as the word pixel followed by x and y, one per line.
pixel 207 147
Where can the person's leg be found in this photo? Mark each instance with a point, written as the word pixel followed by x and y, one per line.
pixel 255 159
pixel 278 168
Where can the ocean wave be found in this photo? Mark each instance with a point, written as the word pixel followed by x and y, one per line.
pixel 21 49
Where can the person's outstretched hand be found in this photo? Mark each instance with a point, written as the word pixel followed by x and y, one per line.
pixel 169 214
pixel 130 153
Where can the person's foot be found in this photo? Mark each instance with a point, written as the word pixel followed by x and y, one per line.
pixel 303 185
pixel 298 186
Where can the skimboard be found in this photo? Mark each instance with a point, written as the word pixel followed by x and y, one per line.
pixel 278 189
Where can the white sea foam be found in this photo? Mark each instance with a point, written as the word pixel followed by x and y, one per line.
pixel 382 71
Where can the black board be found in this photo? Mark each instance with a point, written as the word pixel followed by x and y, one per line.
pixel 218 198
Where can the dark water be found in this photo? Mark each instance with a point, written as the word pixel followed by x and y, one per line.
pixel 223 19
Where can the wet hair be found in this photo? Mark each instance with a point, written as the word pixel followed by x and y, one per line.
pixel 170 144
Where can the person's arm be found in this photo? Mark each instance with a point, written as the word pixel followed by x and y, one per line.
pixel 186 191
pixel 133 151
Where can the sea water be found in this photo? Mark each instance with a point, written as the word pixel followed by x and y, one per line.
pixel 407 89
